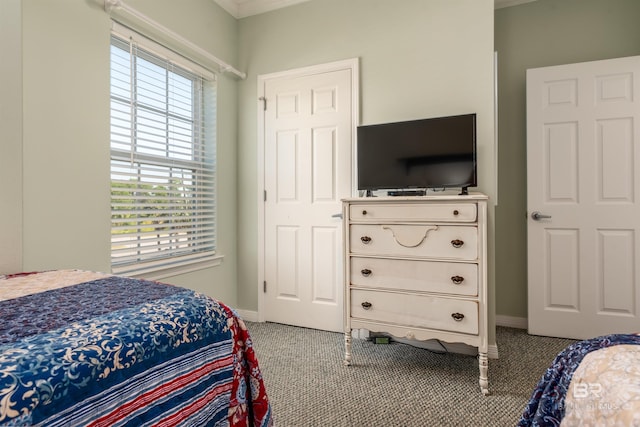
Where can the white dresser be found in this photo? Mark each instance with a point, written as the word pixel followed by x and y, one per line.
pixel 415 267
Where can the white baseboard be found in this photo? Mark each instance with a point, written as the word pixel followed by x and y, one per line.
pixel 492 351
pixel 248 315
pixel 512 322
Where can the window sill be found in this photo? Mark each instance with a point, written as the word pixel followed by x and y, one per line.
pixel 158 273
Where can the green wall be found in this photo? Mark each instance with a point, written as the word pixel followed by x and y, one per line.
pixel 418 58
pixel 538 34
pixel 10 136
pixel 54 121
pixel 63 104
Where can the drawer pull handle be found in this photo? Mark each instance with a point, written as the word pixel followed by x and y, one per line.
pixel 364 212
pixel 365 272
pixel 365 239
pixel 410 244
pixel 457 243
pixel 366 305
pixel 457 279
pixel 457 316
pixel 456 212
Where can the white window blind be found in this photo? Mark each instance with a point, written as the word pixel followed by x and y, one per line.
pixel 163 164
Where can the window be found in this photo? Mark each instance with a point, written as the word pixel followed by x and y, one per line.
pixel 163 188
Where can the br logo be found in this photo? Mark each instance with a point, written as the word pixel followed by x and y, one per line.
pixel 582 390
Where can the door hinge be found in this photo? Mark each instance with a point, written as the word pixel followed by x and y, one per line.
pixel 264 286
pixel 264 102
pixel 265 195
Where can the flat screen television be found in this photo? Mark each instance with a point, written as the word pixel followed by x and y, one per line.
pixel 433 153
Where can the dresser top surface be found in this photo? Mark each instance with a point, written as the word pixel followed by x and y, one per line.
pixel 471 197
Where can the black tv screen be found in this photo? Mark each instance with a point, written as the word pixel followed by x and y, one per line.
pixel 433 153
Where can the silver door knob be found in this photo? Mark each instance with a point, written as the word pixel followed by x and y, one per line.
pixel 538 216
pixel 338 215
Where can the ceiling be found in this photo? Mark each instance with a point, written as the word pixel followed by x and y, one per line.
pixel 244 8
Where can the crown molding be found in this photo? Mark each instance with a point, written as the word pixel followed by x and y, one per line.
pixel 243 8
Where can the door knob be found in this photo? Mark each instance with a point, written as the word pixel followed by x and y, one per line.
pixel 537 216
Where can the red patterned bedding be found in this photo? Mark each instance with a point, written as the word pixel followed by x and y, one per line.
pixel 83 348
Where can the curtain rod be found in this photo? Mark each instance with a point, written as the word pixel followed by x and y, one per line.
pixel 117 7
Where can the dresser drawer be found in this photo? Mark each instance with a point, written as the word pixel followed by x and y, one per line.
pixel 425 276
pixel 421 311
pixel 450 212
pixel 432 241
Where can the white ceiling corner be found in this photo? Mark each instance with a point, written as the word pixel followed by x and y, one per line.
pixel 498 4
pixel 243 8
pixel 229 5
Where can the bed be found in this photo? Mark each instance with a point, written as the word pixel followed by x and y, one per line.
pixel 81 348
pixel 594 382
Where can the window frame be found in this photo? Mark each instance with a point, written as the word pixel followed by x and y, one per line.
pixel 205 255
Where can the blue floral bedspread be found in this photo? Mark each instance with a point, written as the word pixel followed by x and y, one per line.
pixel 547 404
pixel 118 351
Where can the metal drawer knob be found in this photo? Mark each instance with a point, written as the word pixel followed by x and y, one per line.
pixel 457 279
pixel 456 212
pixel 457 243
pixel 365 239
pixel 364 212
pixel 366 305
pixel 365 272
pixel 457 316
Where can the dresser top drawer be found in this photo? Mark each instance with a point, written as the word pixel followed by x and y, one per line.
pixel 449 212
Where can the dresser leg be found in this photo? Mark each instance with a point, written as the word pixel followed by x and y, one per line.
pixel 483 362
pixel 347 348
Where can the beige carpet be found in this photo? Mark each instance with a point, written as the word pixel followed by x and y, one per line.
pixel 394 384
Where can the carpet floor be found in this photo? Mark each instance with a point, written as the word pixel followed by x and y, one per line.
pixel 394 384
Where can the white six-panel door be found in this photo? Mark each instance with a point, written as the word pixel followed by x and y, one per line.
pixel 583 182
pixel 308 132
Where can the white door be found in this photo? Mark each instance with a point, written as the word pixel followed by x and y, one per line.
pixel 583 198
pixel 309 127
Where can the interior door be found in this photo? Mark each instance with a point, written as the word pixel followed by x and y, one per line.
pixel 583 197
pixel 308 131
